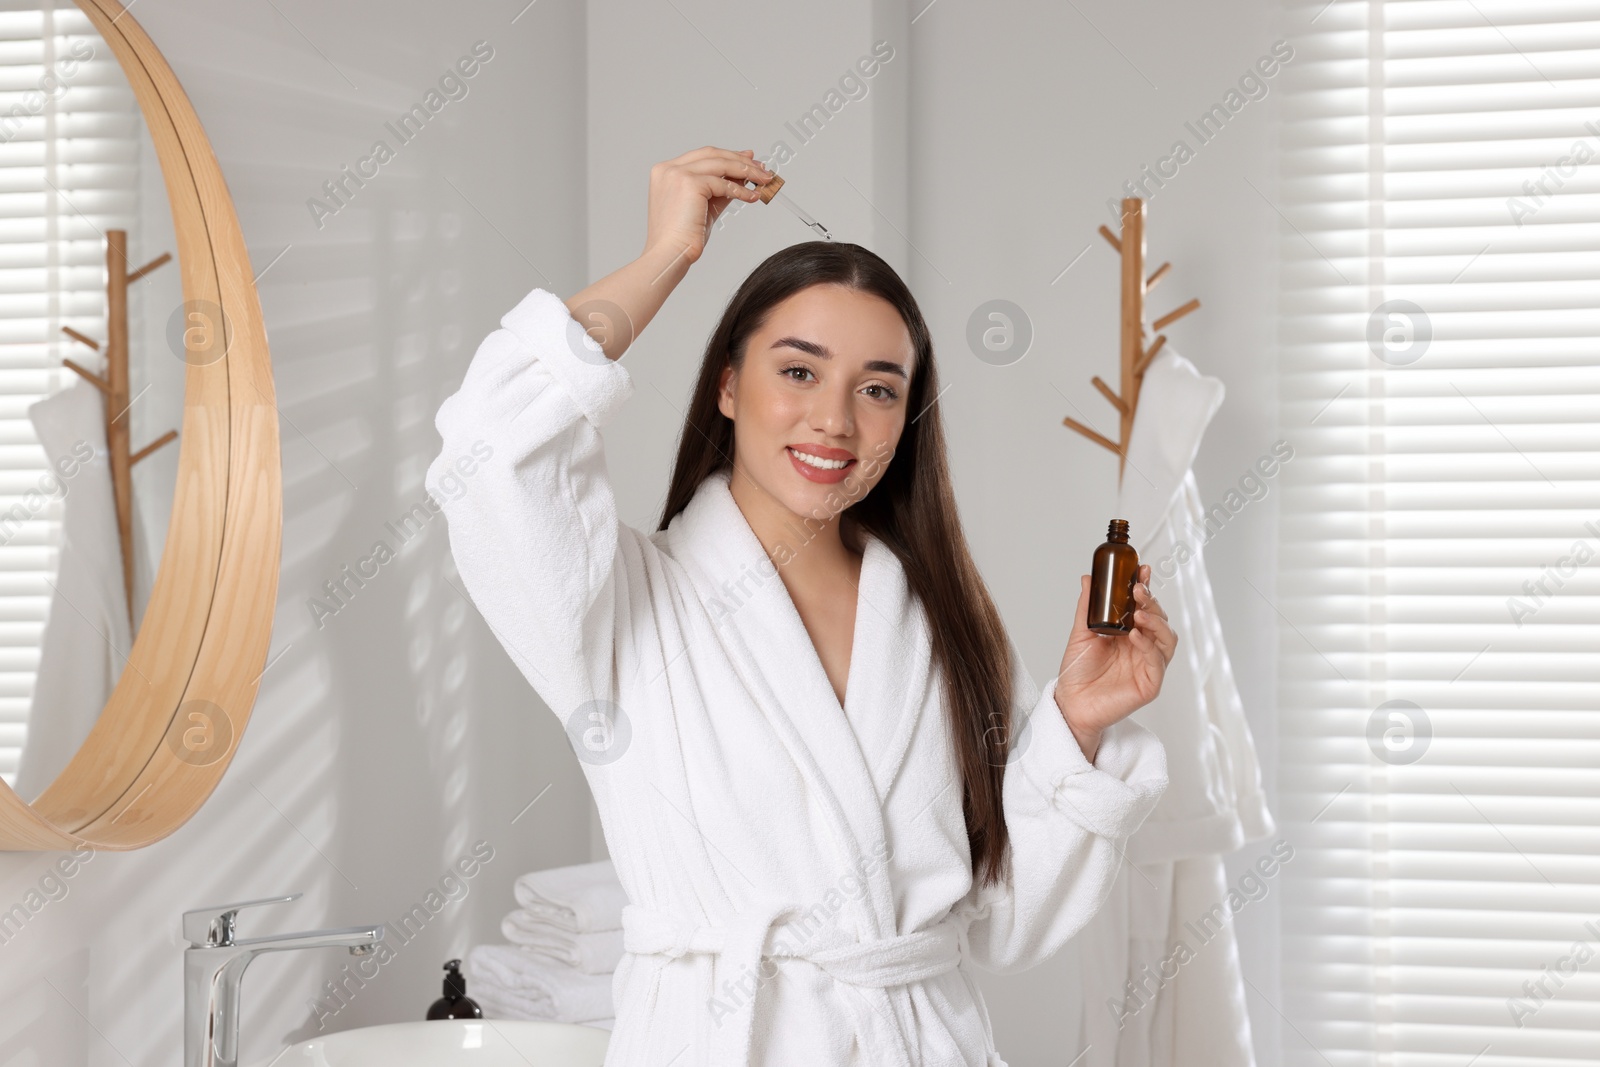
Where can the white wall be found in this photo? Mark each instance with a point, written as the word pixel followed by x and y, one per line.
pixel 978 163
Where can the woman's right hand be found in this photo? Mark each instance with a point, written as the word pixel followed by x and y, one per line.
pixel 686 196
pixel 689 192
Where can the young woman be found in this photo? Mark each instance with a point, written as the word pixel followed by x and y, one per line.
pixel 826 780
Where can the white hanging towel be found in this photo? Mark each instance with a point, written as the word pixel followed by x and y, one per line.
pixel 1213 804
pixel 86 637
pixel 797 870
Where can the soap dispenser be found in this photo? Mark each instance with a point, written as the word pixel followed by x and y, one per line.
pixel 455 1004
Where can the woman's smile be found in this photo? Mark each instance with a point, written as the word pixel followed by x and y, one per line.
pixel 819 463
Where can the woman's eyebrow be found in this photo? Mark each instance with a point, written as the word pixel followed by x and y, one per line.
pixel 885 365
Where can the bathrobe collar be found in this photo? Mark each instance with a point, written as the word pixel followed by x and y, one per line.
pixel 849 756
pixel 852 754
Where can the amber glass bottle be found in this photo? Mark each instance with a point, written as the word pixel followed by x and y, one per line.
pixel 1111 582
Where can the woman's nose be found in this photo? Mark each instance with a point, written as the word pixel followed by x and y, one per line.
pixel 832 414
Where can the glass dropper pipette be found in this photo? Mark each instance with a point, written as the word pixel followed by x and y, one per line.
pixel 770 190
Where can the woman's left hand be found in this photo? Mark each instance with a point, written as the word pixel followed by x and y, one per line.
pixel 1105 679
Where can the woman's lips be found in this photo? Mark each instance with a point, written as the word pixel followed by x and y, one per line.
pixel 818 474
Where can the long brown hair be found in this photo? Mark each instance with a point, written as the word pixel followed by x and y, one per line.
pixel 911 509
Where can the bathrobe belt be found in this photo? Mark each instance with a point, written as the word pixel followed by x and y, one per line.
pixel 868 966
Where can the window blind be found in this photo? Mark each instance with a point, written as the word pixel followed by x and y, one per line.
pixel 1438 585
pixel 69 149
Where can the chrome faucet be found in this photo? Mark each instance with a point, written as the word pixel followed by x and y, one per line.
pixel 214 965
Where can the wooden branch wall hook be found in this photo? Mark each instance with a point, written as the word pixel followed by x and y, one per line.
pixel 113 386
pixel 1134 357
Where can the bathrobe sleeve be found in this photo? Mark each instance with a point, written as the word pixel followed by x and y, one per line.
pixel 533 522
pixel 1069 821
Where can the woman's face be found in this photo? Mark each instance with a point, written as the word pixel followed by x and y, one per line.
pixel 827 375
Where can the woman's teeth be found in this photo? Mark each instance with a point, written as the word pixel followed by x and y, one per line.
pixel 820 463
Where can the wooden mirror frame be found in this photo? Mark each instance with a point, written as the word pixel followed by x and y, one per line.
pixel 180 706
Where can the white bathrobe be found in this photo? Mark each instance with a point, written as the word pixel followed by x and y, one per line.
pixel 86 637
pixel 798 872
pixel 1140 1008
pixel 1214 803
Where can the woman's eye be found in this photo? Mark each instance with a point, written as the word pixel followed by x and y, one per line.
pixel 800 369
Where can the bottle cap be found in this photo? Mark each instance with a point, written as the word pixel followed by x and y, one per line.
pixel 769 190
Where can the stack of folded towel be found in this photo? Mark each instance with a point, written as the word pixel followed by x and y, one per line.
pixel 566 940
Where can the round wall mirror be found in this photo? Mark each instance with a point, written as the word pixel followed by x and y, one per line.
pixel 140 504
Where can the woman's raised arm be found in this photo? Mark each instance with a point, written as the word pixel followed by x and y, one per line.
pixel 521 475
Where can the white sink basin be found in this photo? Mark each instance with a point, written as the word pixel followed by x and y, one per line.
pixel 453 1043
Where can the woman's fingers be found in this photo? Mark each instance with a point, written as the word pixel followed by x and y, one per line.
pixel 731 189
pixel 717 184
pixel 1148 647
pixel 721 175
pixel 1146 600
pixel 1158 630
pixel 696 156
pixel 721 163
